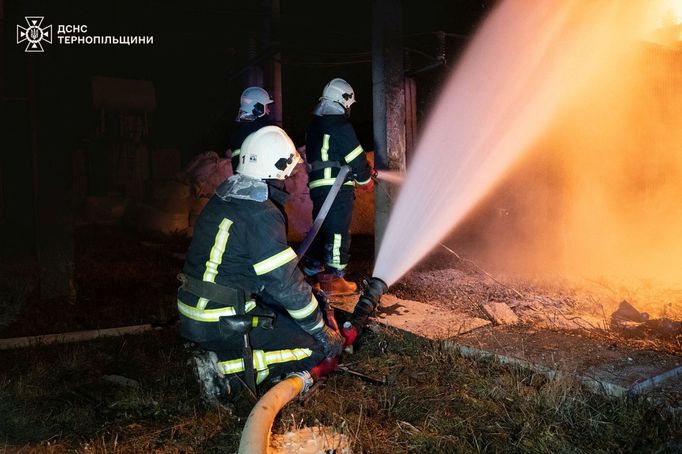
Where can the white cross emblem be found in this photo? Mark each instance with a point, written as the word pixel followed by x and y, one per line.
pixel 34 34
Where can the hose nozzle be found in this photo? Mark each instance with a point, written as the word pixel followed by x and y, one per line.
pixel 369 300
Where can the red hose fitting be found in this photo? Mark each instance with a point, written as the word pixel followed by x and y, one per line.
pixel 350 333
pixel 325 367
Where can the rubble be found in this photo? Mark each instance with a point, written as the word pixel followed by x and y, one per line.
pixel 500 313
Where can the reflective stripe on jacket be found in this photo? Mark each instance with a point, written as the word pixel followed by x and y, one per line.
pixel 332 138
pixel 242 244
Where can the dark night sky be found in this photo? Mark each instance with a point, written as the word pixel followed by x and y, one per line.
pixel 198 49
pixel 198 45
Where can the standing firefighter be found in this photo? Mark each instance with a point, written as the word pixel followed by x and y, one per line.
pixel 242 297
pixel 253 114
pixel 331 143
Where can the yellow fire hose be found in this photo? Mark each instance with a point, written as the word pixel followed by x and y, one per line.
pixel 256 435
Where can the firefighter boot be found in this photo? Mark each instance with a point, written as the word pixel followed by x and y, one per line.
pixel 335 285
pixel 311 270
pixel 215 388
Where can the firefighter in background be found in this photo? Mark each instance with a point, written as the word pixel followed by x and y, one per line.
pixel 240 279
pixel 253 114
pixel 331 143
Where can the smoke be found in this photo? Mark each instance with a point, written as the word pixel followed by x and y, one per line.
pixel 600 194
pixel 568 82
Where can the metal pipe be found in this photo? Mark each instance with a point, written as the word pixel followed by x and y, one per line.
pixel 256 434
pixel 75 336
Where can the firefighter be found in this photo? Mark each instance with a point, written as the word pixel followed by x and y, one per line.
pixel 331 143
pixel 253 114
pixel 240 282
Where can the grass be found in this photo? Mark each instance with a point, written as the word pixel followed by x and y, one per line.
pixel 441 402
pixel 57 399
pixel 122 278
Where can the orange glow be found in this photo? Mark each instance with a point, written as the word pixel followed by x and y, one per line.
pixel 597 113
pixel 599 195
pixel 672 10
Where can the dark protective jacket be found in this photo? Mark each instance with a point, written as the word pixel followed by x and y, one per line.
pixel 240 242
pixel 332 139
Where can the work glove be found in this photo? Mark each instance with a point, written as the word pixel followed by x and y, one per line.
pixel 326 309
pixel 330 340
pixel 367 187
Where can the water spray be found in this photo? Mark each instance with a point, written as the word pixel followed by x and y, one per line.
pixel 390 176
pixel 526 64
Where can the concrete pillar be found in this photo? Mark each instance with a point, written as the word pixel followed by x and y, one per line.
pixel 388 94
pixel 410 116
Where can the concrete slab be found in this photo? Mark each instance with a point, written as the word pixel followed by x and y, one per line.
pixel 604 367
pixel 500 313
pixel 601 366
pixel 417 318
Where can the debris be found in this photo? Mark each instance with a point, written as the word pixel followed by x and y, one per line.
pixel 206 171
pixel 500 313
pixel 367 378
pixel 626 314
pixel 633 323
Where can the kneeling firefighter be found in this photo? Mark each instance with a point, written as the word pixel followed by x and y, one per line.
pixel 242 297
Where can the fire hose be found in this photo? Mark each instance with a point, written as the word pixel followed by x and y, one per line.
pixel 324 210
pixel 256 434
pixel 255 437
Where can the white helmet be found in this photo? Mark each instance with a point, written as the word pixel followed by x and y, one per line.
pixel 268 153
pixel 338 90
pixel 253 104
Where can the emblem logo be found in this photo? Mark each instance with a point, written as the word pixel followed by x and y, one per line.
pixel 34 34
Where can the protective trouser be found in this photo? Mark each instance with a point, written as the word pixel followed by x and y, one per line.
pixel 278 351
pixel 278 344
pixel 332 243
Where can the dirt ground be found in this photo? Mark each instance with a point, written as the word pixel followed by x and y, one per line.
pixel 545 302
pixel 60 400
